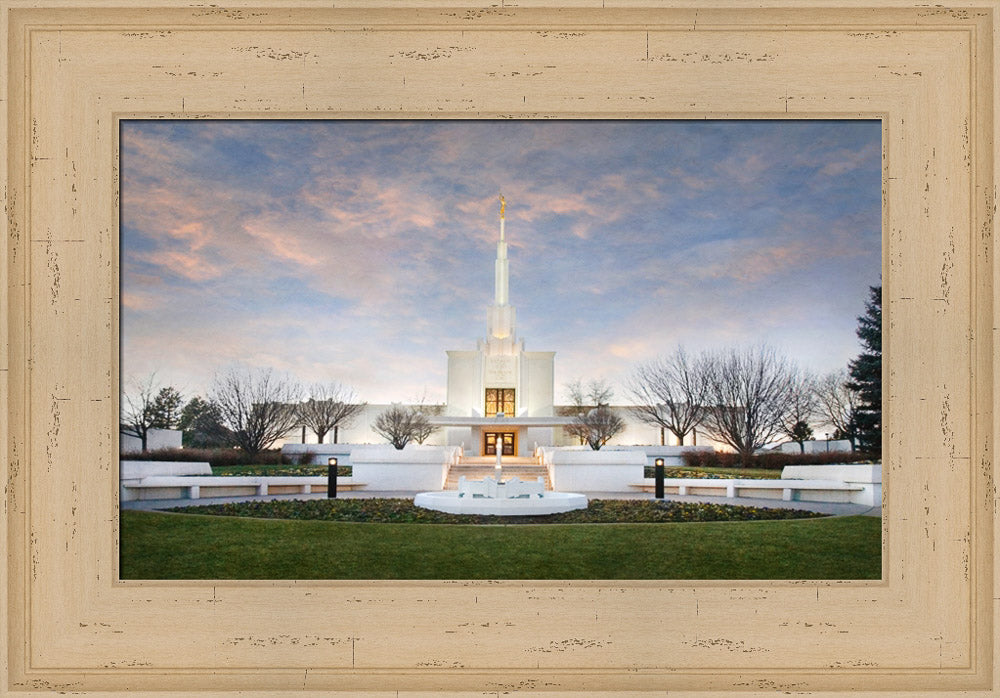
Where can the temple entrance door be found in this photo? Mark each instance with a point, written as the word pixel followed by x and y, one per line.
pixel 504 438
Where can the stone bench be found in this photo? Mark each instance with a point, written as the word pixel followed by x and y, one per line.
pixel 196 487
pixel 489 488
pixel 138 469
pixel 815 490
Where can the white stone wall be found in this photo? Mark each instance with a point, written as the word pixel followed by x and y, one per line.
pixel 673 456
pixel 414 468
pixel 360 431
pixel 637 433
pixel 465 377
pixel 320 454
pixel 866 475
pixel 818 446
pixel 585 470
pixel 537 383
pixel 155 439
pixel 131 472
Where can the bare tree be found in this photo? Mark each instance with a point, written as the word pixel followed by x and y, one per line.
pixel 424 427
pixel 330 406
pixel 594 423
pixel 838 403
pixel 597 427
pixel 669 392
pixel 401 424
pixel 748 396
pixel 583 399
pixel 139 410
pixel 258 407
pixel 802 409
pixel 594 394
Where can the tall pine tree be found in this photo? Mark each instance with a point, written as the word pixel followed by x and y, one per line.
pixel 866 374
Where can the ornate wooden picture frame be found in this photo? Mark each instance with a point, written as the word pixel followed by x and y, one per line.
pixel 72 70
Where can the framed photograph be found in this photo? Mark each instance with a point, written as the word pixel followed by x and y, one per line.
pixel 75 72
pixel 343 271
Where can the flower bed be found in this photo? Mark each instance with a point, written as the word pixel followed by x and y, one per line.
pixel 650 471
pixel 264 470
pixel 403 511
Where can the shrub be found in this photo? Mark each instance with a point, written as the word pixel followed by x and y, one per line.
pixel 774 460
pixel 304 458
pixel 215 457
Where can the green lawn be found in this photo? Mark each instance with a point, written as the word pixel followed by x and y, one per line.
pixel 184 546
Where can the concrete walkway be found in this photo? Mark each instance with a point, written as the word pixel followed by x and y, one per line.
pixel 832 509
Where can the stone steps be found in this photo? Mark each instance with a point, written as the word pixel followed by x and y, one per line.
pixel 491 460
pixel 477 468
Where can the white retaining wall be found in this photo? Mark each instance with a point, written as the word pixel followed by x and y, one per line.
pixel 155 439
pixel 867 475
pixel 576 470
pixel 133 469
pixel 817 446
pixel 131 472
pixel 415 468
pixel 673 456
pixel 321 453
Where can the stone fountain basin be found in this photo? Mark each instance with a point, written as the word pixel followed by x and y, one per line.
pixel 449 502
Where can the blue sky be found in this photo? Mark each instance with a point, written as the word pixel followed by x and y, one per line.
pixel 359 251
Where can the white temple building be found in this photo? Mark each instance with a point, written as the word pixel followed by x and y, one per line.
pixel 500 395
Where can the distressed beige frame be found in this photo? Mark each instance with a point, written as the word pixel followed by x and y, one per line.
pixel 71 69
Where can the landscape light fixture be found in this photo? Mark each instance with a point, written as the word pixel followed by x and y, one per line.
pixel 331 478
pixel 659 477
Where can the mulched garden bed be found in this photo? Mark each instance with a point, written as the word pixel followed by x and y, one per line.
pixel 403 511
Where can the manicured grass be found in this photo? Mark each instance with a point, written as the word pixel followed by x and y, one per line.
pixel 184 546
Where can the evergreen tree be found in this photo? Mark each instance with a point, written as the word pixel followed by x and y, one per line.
pixel 202 426
pixel 166 408
pixel 800 433
pixel 866 374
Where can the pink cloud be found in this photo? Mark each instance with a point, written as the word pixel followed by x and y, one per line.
pixel 191 266
pixel 133 300
pixel 281 244
pixel 193 233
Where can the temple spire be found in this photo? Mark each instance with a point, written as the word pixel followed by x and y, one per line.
pixel 501 289
pixel 500 319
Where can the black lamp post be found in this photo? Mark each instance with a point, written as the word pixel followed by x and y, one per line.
pixel 658 472
pixel 331 478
